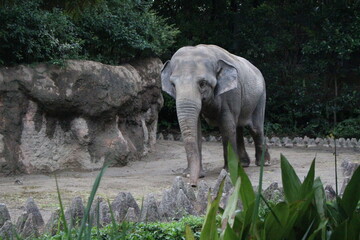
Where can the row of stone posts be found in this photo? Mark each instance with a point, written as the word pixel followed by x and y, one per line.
pixel 305 142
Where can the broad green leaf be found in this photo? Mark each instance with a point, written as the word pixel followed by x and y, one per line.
pixel 334 213
pixel 321 227
pixel 98 220
pixel 239 221
pixel 113 221
pixel 256 229
pixel 189 235
pixel 275 226
pixel 351 194
pixel 228 234
pixel 320 198
pixel 296 209
pixel 231 205
pixel 354 227
pixel 247 219
pixel 271 209
pixel 233 164
pixel 258 196
pixel 307 185
pixel 348 229
pixel 247 193
pixel 62 213
pixel 340 232
pixel 308 230
pixel 87 234
pixel 290 180
pixel 209 229
pixel 90 201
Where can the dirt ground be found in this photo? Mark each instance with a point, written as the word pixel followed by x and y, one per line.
pixel 156 172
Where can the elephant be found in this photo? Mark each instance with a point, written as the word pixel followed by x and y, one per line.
pixel 227 90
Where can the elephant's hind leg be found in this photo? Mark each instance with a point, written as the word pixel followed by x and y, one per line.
pixel 257 132
pixel 259 141
pixel 244 157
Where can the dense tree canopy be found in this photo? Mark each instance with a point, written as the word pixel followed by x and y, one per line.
pixel 110 31
pixel 308 51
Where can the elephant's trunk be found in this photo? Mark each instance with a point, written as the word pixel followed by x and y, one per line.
pixel 188 115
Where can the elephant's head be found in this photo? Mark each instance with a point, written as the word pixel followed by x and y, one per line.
pixel 195 77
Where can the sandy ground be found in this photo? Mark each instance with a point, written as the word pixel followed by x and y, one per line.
pixel 156 172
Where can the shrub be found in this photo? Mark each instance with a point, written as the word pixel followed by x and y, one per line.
pixel 29 34
pixel 140 231
pixel 304 214
pixel 115 31
pixel 349 128
pixel 110 31
pixel 164 230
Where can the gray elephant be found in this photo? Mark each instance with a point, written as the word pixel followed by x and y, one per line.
pixel 227 90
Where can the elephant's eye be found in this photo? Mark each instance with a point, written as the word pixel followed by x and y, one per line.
pixel 202 83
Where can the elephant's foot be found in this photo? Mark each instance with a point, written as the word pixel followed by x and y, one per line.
pixel 186 173
pixel 266 163
pixel 266 160
pixel 245 162
pixel 244 158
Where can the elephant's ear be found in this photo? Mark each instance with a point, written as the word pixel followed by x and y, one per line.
pixel 165 80
pixel 227 78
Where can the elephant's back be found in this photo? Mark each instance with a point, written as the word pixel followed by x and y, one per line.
pixel 250 78
pixel 220 53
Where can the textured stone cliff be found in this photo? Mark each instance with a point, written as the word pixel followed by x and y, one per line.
pixel 77 116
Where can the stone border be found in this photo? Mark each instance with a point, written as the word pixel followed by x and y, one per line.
pixel 303 142
pixel 178 201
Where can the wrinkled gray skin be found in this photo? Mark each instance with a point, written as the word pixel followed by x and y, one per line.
pixel 227 90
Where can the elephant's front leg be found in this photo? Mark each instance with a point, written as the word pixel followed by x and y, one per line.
pixel 199 138
pixel 186 172
pixel 228 133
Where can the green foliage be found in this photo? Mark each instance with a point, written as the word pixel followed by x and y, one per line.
pixel 29 34
pixel 167 115
pixel 304 214
pixel 160 231
pixel 86 223
pixel 308 52
pixel 110 31
pixel 348 128
pixel 141 231
pixel 62 224
pixel 115 31
pixel 209 229
pixel 188 233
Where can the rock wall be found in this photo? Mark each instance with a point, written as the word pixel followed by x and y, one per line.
pixel 77 116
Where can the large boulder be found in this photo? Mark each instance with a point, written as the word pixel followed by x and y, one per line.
pixel 77 116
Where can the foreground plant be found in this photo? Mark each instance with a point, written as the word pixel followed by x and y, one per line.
pixel 304 214
pixel 84 232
